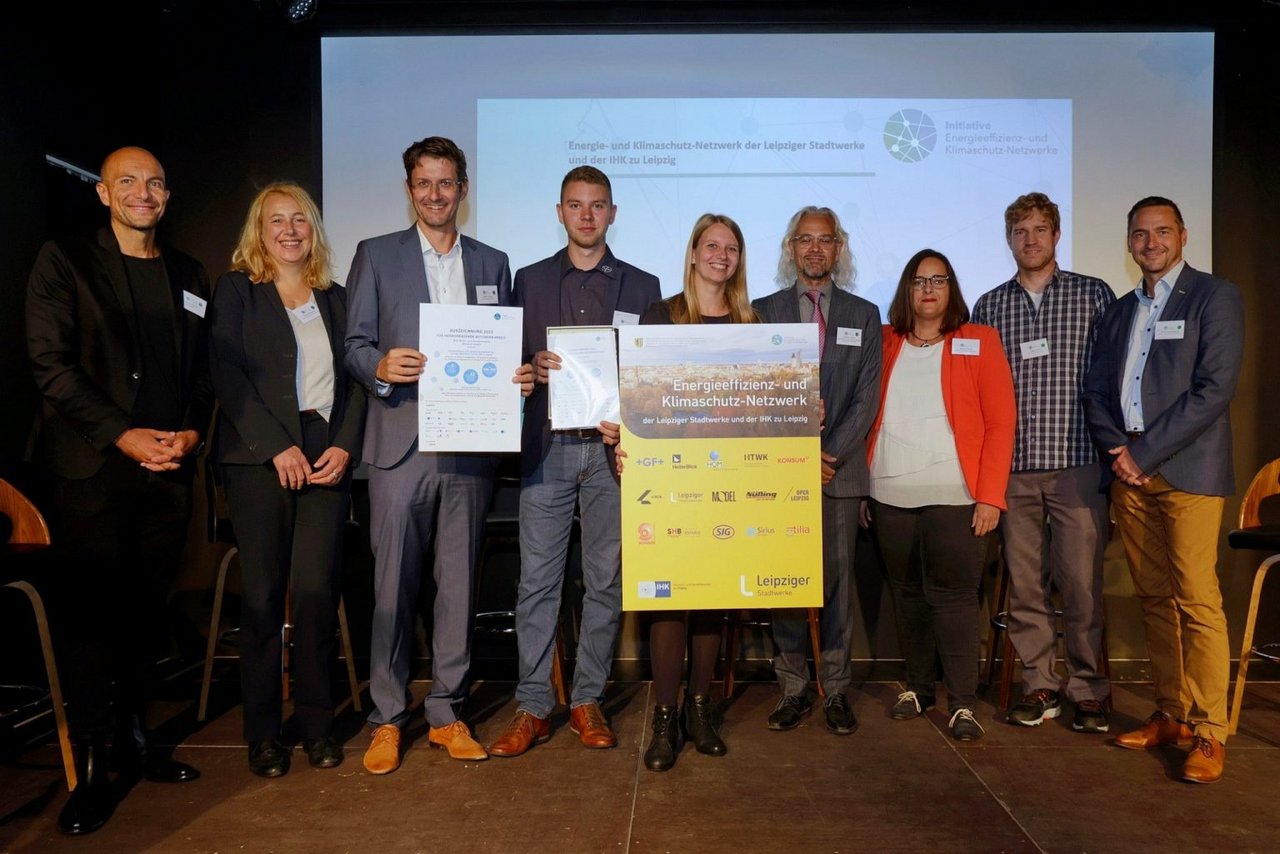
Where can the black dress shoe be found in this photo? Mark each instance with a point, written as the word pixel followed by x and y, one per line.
pixel 323 752
pixel 162 769
pixel 665 746
pixel 268 759
pixel 91 803
pixel 699 725
pixel 839 714
pixel 790 710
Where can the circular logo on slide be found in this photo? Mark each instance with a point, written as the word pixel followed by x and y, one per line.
pixel 490 370
pixel 470 377
pixel 451 369
pixel 910 135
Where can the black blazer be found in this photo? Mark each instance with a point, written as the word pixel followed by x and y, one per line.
pixel 254 357
pixel 82 338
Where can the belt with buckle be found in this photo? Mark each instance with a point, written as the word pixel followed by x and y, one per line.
pixel 583 433
pixel 1134 434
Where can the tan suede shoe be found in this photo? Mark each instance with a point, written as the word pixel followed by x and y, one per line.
pixel 456 739
pixel 383 755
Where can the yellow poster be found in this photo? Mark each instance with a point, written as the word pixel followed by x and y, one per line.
pixel 721 493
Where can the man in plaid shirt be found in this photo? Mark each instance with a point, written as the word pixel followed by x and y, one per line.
pixel 1056 527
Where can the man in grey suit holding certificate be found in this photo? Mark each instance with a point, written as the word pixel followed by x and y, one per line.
pixel 815 269
pixel 420 500
pixel 1158 401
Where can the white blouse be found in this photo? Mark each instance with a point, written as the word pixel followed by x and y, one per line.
pixel 314 375
pixel 915 462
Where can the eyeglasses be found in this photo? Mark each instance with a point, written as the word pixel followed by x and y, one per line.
pixel 826 241
pixel 933 283
pixel 444 185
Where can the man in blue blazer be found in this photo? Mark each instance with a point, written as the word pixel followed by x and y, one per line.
pixel 1157 400
pixel 419 500
pixel 816 268
pixel 581 285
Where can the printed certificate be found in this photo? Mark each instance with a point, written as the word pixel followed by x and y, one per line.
pixel 722 488
pixel 584 391
pixel 466 399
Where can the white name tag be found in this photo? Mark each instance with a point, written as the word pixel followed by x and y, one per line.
pixel 625 318
pixel 1035 349
pixel 1170 330
pixel 848 337
pixel 196 306
pixel 486 294
pixel 306 313
pixel 965 346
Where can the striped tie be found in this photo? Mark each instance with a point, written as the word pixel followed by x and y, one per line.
pixel 815 295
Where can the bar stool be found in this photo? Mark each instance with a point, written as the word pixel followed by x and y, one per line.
pixel 29 534
pixel 999 634
pixel 735 621
pixel 1252 534
pixel 220 531
pixel 502 529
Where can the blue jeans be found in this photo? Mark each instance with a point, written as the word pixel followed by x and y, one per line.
pixel 574 473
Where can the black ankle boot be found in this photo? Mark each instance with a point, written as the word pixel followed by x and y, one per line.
pixel 90 804
pixel 665 745
pixel 699 727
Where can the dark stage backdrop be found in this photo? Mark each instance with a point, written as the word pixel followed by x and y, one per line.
pixel 227 94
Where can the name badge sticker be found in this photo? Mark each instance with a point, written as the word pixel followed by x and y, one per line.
pixel 1035 349
pixel 1170 330
pixel 306 313
pixel 848 337
pixel 486 294
pixel 625 318
pixel 196 306
pixel 965 346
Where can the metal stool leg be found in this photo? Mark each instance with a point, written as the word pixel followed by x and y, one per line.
pixel 211 648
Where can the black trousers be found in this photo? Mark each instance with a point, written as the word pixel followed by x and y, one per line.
pixel 288 541
pixel 934 565
pixel 119 537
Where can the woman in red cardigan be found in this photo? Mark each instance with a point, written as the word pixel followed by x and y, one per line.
pixel 940 453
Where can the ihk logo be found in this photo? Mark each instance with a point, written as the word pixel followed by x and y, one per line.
pixel 662 590
pixel 723 532
pixel 724 496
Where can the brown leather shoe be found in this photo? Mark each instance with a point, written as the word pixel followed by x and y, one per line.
pixel 523 732
pixel 383 755
pixel 1205 761
pixel 1159 729
pixel 456 739
pixel 588 722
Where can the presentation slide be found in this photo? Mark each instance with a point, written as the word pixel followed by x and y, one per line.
pixel 900 171
pixel 915 140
